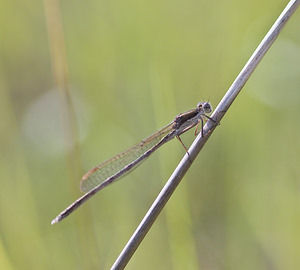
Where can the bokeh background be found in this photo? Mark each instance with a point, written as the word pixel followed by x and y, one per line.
pixel 81 81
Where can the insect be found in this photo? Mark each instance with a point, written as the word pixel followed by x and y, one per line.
pixel 118 166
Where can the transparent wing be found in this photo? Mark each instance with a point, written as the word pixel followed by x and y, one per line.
pixel 113 165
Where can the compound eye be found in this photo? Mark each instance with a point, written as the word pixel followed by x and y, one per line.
pixel 207 107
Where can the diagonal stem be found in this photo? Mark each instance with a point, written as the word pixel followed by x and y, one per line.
pixel 200 140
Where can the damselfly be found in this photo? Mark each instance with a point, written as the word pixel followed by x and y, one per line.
pixel 113 169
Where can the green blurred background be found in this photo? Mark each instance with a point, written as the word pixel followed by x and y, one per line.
pixel 83 80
